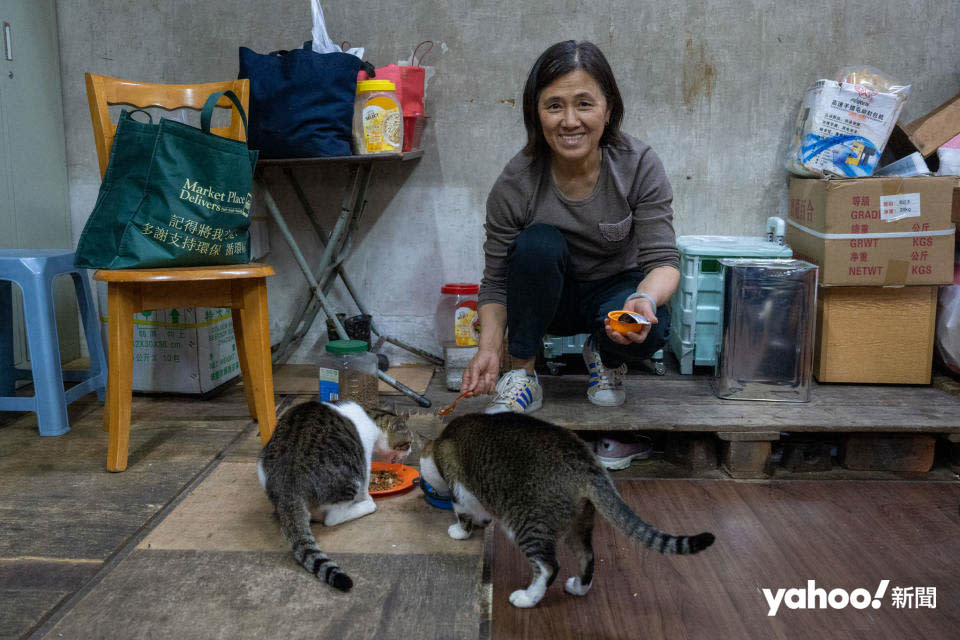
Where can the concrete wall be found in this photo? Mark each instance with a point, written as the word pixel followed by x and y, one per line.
pixel 713 86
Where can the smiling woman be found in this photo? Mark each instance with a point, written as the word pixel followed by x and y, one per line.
pixel 579 224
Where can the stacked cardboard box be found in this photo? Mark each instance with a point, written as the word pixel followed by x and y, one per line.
pixel 868 235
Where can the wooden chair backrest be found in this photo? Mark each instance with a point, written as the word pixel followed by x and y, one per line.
pixel 103 91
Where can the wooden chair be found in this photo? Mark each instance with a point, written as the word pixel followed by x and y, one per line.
pixel 242 288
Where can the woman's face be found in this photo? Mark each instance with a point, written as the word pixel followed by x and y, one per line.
pixel 573 113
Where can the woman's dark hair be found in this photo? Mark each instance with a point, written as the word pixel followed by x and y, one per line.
pixel 559 60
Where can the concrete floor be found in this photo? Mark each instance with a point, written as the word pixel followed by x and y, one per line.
pixel 183 544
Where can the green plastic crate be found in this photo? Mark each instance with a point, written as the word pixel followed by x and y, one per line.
pixel 697 305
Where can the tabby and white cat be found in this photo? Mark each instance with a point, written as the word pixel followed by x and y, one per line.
pixel 316 466
pixel 542 483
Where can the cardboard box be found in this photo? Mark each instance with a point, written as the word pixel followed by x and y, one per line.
pixel 874 231
pixel 875 334
pixel 179 350
pixel 926 134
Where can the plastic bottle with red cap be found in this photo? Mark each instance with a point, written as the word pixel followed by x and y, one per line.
pixel 457 321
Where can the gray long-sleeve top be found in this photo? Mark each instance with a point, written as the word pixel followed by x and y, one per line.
pixel 626 222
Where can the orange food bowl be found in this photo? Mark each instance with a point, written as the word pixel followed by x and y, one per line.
pixel 406 474
pixel 624 327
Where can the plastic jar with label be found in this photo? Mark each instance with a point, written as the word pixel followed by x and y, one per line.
pixel 377 118
pixel 457 320
pixel 348 371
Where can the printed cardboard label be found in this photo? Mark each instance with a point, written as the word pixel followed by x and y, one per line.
pixel 898 207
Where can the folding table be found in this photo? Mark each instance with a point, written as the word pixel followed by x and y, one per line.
pixel 337 246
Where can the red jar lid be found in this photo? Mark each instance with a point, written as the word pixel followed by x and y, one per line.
pixel 461 288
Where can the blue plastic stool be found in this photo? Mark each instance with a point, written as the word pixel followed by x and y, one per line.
pixel 34 271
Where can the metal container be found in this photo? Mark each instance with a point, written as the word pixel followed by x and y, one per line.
pixel 769 316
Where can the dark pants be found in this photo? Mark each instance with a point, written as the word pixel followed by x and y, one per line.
pixel 542 297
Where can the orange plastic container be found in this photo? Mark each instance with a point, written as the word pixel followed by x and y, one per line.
pixel 626 327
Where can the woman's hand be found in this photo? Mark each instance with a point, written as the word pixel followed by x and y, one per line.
pixel 480 376
pixel 640 306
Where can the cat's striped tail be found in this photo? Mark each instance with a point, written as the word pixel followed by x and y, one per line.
pixel 295 523
pixel 609 503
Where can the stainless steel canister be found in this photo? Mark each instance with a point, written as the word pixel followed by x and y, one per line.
pixel 769 317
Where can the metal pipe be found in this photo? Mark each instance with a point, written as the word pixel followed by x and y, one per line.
pixel 423 401
pixel 301 261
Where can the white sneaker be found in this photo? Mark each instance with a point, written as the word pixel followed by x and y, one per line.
pixel 616 455
pixel 517 391
pixel 605 387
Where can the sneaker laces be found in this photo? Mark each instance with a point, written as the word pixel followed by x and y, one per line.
pixel 510 386
pixel 609 379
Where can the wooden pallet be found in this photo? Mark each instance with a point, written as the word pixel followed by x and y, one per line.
pixel 746 430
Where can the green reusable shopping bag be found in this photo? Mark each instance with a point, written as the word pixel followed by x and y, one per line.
pixel 172 196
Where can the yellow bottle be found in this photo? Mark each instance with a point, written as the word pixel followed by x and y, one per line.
pixel 377 119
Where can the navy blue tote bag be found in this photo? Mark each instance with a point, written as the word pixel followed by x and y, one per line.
pixel 301 102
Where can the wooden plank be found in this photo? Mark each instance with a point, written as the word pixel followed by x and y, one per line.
pixel 687 403
pixel 56 499
pixel 31 587
pixel 748 436
pixel 841 534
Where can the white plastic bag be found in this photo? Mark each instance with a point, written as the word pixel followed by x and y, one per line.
pixel 949 161
pixel 321 41
pixel 911 165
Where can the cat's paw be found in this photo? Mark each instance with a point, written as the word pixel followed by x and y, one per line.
pixel 365 508
pixel 457 532
pixel 340 513
pixel 519 598
pixel 574 587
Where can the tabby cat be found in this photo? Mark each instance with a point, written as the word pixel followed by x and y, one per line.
pixel 541 483
pixel 317 467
